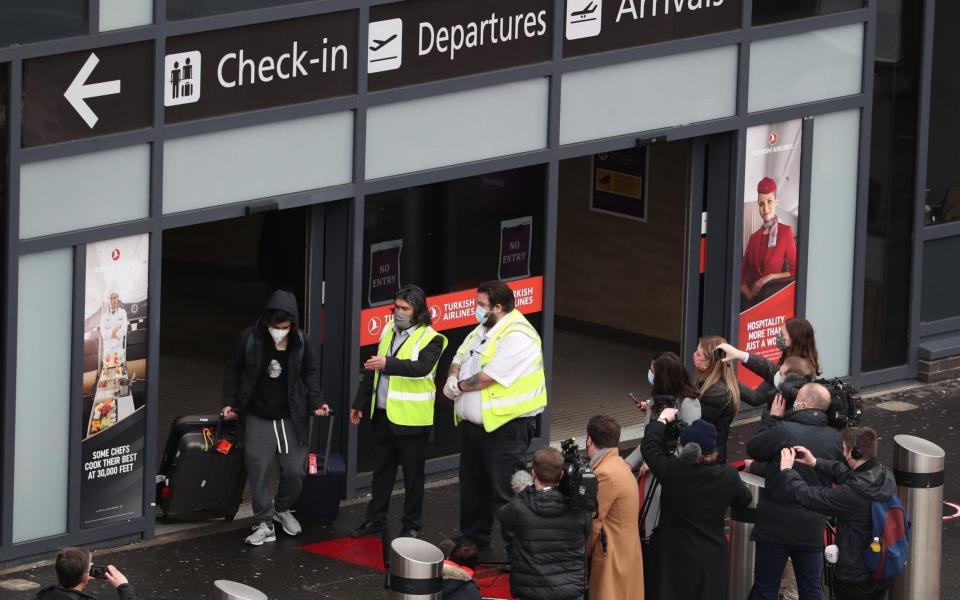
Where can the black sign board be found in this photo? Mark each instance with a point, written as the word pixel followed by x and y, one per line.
pixel 602 25
pixel 260 66
pixel 425 40
pixel 88 93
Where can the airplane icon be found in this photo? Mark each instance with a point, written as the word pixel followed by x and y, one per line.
pixel 381 43
pixel 587 11
pixel 584 19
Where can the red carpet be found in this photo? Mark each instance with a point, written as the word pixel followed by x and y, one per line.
pixel 368 552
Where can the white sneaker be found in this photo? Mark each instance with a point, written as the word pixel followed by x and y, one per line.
pixel 289 522
pixel 261 533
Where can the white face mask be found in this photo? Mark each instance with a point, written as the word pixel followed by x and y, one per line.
pixel 278 335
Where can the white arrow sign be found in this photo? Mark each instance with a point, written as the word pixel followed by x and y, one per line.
pixel 80 90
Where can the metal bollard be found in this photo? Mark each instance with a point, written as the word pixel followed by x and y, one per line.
pixel 416 569
pixel 231 590
pixel 743 552
pixel 918 467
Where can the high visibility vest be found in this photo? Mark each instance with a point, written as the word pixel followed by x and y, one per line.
pixel 501 404
pixel 409 399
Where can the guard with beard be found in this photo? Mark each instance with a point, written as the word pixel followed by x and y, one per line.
pixel 497 381
pixel 397 395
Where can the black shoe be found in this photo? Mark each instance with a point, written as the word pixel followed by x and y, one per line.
pixel 413 533
pixel 366 529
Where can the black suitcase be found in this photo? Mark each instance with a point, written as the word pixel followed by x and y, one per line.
pixel 196 481
pixel 322 492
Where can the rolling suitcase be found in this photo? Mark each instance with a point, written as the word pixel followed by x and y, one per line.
pixel 197 479
pixel 323 484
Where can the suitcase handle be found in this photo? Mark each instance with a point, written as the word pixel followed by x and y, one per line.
pixel 325 469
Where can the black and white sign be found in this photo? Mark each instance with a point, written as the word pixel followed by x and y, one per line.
pixel 84 94
pixel 260 66
pixel 425 40
pixel 603 25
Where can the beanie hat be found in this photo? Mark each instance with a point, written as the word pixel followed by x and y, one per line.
pixel 767 186
pixel 701 433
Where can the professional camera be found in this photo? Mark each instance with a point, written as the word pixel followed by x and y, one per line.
pixel 673 429
pixel 579 482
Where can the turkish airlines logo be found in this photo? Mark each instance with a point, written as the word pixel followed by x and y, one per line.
pixel 115 255
pixel 772 138
pixel 434 312
pixel 374 325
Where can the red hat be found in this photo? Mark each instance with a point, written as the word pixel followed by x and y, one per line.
pixel 767 186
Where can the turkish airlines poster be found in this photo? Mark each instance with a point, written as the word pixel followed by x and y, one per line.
pixel 771 207
pixel 114 380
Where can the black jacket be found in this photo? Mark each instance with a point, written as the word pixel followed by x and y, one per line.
pixel 429 355
pixel 784 521
pixel 764 393
pixel 849 502
pixel 716 407
pixel 56 592
pixel 689 550
pixel 303 380
pixel 458 584
pixel 547 554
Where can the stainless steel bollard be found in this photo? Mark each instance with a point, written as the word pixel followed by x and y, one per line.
pixel 918 467
pixel 743 552
pixel 231 590
pixel 416 569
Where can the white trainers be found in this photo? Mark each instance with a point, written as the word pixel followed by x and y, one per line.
pixel 262 532
pixel 289 522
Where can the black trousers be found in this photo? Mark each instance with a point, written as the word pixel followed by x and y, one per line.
pixel 487 462
pixel 392 451
pixel 864 590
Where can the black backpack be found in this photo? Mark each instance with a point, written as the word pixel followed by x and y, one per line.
pixel 846 405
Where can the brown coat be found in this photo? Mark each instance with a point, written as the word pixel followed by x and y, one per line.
pixel 617 573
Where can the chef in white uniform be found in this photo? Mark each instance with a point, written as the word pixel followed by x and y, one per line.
pixel 113 328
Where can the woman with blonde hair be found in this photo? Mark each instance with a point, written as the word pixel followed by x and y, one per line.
pixel 719 392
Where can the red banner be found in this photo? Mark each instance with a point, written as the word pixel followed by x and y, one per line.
pixel 453 310
pixel 759 326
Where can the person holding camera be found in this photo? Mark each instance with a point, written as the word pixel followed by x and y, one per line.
pixel 861 479
pixel 718 389
pixel 784 528
pixel 74 570
pixel 616 564
pixel 547 560
pixel 688 548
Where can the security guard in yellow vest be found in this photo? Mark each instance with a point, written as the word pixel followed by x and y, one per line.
pixel 498 384
pixel 398 394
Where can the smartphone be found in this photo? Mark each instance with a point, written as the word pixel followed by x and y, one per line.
pixel 636 398
pixel 719 354
pixel 98 571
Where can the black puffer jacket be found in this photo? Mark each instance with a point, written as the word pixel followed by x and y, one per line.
pixel 716 408
pixel 781 520
pixel 849 502
pixel 244 365
pixel 56 592
pixel 547 557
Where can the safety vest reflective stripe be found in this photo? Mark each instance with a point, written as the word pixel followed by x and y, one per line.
pixel 412 396
pixel 515 400
pixel 409 399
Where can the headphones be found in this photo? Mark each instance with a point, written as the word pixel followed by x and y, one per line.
pixel 855 452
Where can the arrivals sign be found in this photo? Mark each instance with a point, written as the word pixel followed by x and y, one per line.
pixel 260 66
pixel 453 310
pixel 601 25
pixel 426 40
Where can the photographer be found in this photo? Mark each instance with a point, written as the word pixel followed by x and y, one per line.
pixel 74 568
pixel 546 553
pixel 688 549
pixel 784 528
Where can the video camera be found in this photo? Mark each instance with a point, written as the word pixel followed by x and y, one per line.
pixel 579 482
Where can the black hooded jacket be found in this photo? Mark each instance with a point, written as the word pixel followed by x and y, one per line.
pixel 247 361
pixel 783 521
pixel 716 408
pixel 547 556
pixel 764 393
pixel 850 502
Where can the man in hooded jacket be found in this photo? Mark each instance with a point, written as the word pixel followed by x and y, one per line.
pixel 861 479
pixel 272 384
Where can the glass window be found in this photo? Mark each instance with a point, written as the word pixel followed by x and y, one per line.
pixel 121 14
pixel 189 9
pixel 941 286
pixel 88 190
pixel 893 148
pixel 774 11
pixel 822 64
pixel 44 325
pixel 619 99
pixel 433 132
pixel 257 162
pixel 448 237
pixel 24 21
pixel 943 162
pixel 833 212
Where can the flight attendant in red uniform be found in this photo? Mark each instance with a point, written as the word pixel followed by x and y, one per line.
pixel 770 260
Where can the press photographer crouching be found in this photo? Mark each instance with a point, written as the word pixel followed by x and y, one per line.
pixel 75 569
pixel 546 553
